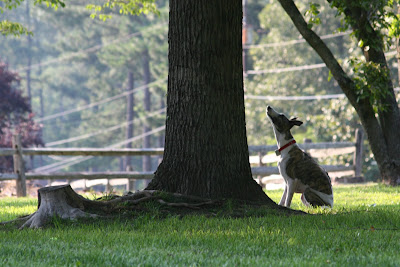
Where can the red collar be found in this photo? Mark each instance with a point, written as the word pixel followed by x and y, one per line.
pixel 278 151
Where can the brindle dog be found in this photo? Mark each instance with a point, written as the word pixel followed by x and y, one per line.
pixel 302 173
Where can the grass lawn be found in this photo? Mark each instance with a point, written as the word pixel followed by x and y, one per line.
pixel 363 229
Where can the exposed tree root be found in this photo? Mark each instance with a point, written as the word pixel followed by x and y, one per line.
pixel 63 202
pixel 186 205
pixel 20 219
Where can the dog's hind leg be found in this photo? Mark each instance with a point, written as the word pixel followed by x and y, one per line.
pixel 315 198
pixel 283 198
pixel 303 199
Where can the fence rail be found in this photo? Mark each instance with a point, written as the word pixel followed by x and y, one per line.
pixel 84 152
pixel 79 175
pixel 21 176
pixel 305 146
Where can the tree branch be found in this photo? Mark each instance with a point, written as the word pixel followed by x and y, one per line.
pixel 363 107
pixel 322 50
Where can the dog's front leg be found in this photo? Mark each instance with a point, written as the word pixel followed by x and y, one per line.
pixel 291 188
pixel 283 198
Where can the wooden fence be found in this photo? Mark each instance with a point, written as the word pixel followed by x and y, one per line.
pixel 262 157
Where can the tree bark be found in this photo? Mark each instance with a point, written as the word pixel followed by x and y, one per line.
pixel 206 152
pixel 382 132
pixel 161 138
pixel 398 57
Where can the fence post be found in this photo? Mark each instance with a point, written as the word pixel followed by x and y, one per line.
pixel 358 153
pixel 19 166
pixel 130 186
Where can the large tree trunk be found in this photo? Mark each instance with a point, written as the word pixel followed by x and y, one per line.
pixel 161 138
pixel 206 152
pixel 382 132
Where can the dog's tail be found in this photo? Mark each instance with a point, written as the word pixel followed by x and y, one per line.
pixel 315 198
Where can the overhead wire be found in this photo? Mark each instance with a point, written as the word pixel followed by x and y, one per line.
pixel 288 69
pixel 109 129
pixel 294 98
pixel 153 27
pixel 299 98
pixel 299 68
pixel 292 42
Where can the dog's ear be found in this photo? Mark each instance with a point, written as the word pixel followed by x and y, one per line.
pixel 296 122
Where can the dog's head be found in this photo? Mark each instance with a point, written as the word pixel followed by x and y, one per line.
pixel 281 123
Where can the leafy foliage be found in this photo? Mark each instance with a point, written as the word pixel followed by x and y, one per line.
pixel 371 82
pixel 374 25
pixel 132 7
pixel 15 116
pixel 12 104
pixel 394 29
pixel 53 3
pixel 313 13
pixel 376 15
pixel 12 4
pixel 13 28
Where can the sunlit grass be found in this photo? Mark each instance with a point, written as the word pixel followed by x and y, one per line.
pixel 10 207
pixel 362 229
pixel 349 197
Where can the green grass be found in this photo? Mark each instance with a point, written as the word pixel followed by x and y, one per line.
pixel 363 229
pixel 10 207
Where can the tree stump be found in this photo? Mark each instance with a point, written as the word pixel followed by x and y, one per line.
pixel 60 201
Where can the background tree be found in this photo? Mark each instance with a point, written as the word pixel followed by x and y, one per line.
pixel 95 58
pixel 12 104
pixel 15 116
pixel 370 88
